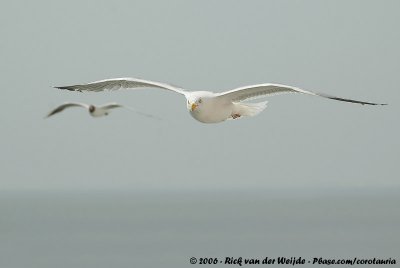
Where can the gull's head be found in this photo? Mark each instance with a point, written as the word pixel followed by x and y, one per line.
pixel 193 104
pixel 92 108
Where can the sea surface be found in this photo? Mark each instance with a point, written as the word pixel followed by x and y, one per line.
pixel 122 229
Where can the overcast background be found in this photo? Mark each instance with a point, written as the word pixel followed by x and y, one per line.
pixel 348 49
pixel 299 146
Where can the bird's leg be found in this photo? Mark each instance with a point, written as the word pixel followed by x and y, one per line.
pixel 234 116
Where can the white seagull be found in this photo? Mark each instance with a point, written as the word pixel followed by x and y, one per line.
pixel 95 111
pixel 206 106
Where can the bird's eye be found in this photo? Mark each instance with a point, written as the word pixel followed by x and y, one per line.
pixel 200 101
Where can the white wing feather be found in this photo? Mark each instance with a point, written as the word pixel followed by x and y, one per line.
pixel 121 83
pixel 262 90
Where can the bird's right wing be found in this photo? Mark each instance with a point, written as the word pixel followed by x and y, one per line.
pixel 121 83
pixel 114 105
pixel 262 90
pixel 62 107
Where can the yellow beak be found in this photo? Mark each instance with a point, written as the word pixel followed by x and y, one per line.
pixel 194 106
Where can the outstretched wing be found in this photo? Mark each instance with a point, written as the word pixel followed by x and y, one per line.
pixel 110 106
pixel 262 90
pixel 121 83
pixel 62 107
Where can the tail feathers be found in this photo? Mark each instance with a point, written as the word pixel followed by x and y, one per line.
pixel 250 109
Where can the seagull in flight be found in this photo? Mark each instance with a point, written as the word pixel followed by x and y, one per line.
pixel 206 106
pixel 95 111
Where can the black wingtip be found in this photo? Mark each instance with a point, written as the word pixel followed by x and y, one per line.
pixel 49 114
pixel 67 88
pixel 64 87
pixel 372 103
pixel 352 101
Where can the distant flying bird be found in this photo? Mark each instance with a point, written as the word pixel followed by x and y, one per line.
pixel 95 111
pixel 206 106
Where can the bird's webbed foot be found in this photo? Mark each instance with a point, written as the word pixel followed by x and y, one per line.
pixel 234 116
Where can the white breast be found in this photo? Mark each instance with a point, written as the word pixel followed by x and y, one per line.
pixel 99 112
pixel 212 111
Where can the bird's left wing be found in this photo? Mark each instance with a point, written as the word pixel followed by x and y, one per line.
pixel 111 106
pixel 64 106
pixel 262 90
pixel 118 83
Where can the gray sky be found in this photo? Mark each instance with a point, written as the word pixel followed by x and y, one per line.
pixel 344 48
